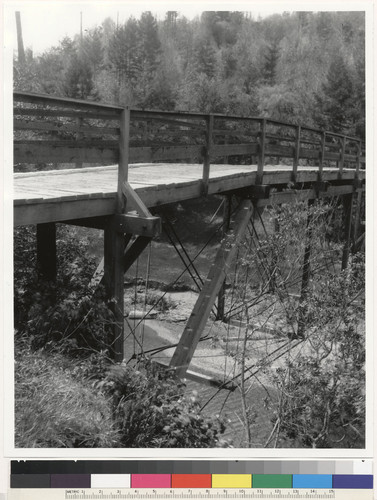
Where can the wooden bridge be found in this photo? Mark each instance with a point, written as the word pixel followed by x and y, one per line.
pixel 111 168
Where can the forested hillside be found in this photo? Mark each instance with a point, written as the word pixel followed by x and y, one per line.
pixel 302 67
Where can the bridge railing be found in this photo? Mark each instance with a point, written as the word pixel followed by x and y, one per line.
pixel 52 133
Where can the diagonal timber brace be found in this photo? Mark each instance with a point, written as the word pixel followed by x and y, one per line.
pixel 195 325
pixel 142 222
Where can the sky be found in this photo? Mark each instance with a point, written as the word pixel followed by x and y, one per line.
pixel 45 23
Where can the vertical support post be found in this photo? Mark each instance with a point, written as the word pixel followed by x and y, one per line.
pixel 297 154
pixel 220 315
pixel 305 270
pixel 114 246
pixel 357 171
pixel 322 156
pixel 114 285
pixel 355 231
pixel 46 251
pixel 347 205
pixel 207 154
pixel 341 161
pixel 79 136
pixel 262 150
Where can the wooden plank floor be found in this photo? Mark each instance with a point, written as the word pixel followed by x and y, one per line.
pixel 59 195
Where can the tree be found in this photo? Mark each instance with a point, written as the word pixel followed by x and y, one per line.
pixel 149 56
pixel 92 48
pixel 78 81
pixel 338 99
pixel 204 57
pixel 124 52
pixel 270 62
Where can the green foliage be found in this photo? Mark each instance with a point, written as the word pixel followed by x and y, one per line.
pixel 204 57
pixel 68 392
pixel 93 403
pixel 323 404
pixel 271 59
pixel 78 82
pixel 338 106
pixel 322 395
pixel 122 51
pixel 302 67
pixel 320 379
pixel 154 411
pixel 66 314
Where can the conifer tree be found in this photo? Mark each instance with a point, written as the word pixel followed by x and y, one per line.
pixel 338 101
pixel 78 82
pixel 124 52
pixel 205 57
pixel 149 57
pixel 270 62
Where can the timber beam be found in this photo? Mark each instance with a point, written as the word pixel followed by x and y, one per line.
pixel 320 186
pixel 196 323
pixel 292 195
pixel 255 192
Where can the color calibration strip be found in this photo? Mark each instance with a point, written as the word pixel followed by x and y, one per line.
pixel 137 474
pixel 334 481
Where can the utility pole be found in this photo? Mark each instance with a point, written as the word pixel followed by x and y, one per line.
pixel 20 43
pixel 81 27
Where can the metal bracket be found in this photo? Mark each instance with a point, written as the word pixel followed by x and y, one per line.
pixel 134 224
pixel 142 222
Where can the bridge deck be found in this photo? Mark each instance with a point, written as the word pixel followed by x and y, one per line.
pixel 59 195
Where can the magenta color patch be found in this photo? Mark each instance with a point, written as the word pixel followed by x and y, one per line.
pixel 150 480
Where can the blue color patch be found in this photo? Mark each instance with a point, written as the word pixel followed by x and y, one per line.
pixel 312 481
pixel 360 481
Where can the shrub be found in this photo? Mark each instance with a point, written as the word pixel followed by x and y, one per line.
pixel 154 411
pixel 66 314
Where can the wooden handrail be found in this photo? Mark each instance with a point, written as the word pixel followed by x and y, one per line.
pixel 70 144
pixel 136 112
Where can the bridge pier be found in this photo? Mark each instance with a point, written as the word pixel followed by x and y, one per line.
pixel 227 211
pixel 46 251
pixel 114 247
pixel 347 207
pixel 305 270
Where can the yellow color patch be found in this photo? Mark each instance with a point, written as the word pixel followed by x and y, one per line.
pixel 231 480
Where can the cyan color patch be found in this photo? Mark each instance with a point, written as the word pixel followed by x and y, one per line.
pixel 312 481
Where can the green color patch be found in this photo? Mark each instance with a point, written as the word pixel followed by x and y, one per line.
pixel 272 480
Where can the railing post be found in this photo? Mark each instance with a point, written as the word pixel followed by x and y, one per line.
pixel 79 136
pixel 322 156
pixel 262 149
pixel 341 161
pixel 207 154
pixel 297 154
pixel 124 140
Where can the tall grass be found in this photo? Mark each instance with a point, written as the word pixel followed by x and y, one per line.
pixel 54 408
